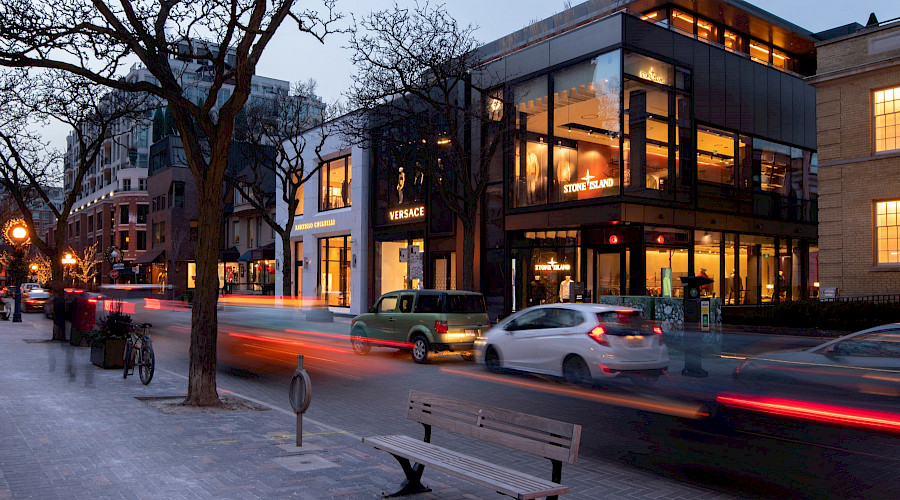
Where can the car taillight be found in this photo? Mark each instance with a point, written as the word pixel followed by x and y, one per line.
pixel 440 327
pixel 658 331
pixel 598 334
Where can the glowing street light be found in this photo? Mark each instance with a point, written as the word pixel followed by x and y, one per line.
pixel 16 234
pixel 68 259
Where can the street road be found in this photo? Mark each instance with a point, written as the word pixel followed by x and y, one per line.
pixel 670 430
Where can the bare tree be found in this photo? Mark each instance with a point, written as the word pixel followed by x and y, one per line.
pixel 421 81
pixel 30 170
pixel 96 39
pixel 277 132
pixel 41 272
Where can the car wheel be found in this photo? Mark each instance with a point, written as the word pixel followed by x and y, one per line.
pixel 359 342
pixel 468 355
pixel 492 360
pixel 420 349
pixel 575 371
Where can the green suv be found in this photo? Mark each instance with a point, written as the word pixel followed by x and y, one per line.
pixel 423 321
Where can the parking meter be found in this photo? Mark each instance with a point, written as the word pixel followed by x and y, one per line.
pixel 691 339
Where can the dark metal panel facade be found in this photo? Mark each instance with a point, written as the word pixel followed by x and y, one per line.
pixel 587 39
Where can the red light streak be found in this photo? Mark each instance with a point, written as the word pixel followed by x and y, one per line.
pixel 287 342
pixel 818 412
pixel 112 305
pixel 388 343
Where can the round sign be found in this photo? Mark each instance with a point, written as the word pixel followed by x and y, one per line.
pixel 114 274
pixel 300 391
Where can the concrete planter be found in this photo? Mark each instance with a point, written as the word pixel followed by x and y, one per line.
pixel 109 353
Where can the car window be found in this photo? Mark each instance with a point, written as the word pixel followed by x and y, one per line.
pixel 570 317
pixel 431 303
pixel 406 303
pixel 464 304
pixel 884 344
pixel 529 320
pixel 388 304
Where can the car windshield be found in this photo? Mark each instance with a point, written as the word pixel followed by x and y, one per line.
pixel 464 304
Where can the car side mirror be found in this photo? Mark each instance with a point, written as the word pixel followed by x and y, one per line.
pixel 372 309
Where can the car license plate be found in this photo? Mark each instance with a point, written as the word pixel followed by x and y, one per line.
pixel 635 340
pixel 471 331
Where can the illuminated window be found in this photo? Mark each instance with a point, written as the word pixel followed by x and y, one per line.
pixel 706 30
pixel 335 176
pixel 759 52
pixel 887 119
pixel 732 41
pixel 683 21
pixel 887 232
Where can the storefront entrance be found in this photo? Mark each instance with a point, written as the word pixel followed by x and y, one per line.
pixel 399 264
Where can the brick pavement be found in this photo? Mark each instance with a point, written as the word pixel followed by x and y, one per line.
pixel 69 429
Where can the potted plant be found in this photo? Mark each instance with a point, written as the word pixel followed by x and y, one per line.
pixel 108 341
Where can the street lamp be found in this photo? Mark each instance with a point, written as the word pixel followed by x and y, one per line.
pixel 16 234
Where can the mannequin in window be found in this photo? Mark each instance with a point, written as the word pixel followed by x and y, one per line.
pixel 532 178
pixel 535 294
pixel 401 182
pixel 564 288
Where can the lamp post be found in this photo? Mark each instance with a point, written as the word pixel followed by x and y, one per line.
pixel 16 234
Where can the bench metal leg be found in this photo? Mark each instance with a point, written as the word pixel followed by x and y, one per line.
pixel 413 483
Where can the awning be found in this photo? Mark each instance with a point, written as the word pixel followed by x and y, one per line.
pixel 153 255
pixel 230 255
pixel 266 252
pixel 245 257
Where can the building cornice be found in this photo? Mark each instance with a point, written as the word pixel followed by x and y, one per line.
pixel 879 65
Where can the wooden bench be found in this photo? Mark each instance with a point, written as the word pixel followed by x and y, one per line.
pixel 552 439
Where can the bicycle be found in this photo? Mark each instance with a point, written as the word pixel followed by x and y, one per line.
pixel 139 353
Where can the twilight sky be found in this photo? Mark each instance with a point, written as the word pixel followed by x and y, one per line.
pixel 295 57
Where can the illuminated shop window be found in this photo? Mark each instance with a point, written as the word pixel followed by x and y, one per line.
pixel 887 232
pixel 683 21
pixel 887 119
pixel 335 179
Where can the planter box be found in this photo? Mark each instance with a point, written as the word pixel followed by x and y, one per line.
pixel 108 353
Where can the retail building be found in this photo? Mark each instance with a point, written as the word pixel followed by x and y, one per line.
pixel 331 227
pixel 664 140
pixel 858 83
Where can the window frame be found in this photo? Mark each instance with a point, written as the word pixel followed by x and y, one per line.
pixel 325 181
pixel 876 250
pixel 896 113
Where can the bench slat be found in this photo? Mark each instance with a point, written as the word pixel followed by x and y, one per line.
pixel 529 433
pixel 510 482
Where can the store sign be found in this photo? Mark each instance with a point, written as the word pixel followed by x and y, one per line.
pixel 406 213
pixel 552 266
pixel 588 183
pixel 652 76
pixel 314 225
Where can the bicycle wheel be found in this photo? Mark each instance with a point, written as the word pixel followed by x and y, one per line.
pixel 148 364
pixel 128 358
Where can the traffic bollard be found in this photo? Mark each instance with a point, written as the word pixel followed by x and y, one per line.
pixel 300 393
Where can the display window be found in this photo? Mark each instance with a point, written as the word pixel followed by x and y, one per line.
pixel 544 266
pixel 586 129
pixel 529 186
pixel 399 264
pixel 715 155
pixel 707 262
pixel 334 267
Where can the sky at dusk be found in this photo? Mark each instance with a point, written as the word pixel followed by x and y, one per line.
pixel 296 57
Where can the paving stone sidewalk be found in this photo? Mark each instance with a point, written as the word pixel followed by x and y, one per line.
pixel 71 430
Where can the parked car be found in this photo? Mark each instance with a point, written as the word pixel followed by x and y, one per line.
pixel 34 299
pixel 29 286
pixel 423 321
pixel 864 362
pixel 578 342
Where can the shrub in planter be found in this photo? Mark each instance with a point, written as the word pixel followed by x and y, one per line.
pixel 108 342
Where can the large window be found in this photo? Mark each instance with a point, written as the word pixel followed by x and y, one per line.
pixel 887 119
pixel 334 266
pixel 530 171
pixel 715 155
pixel 336 179
pixel 586 130
pixel 887 232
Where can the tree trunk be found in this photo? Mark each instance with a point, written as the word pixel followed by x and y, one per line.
pixel 287 261
pixel 468 258
pixel 204 320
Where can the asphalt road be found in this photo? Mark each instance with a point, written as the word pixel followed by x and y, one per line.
pixel 625 428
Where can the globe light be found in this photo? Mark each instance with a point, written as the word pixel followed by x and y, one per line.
pixel 34 267
pixel 114 255
pixel 19 233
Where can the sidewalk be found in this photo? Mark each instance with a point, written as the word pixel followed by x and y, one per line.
pixel 69 429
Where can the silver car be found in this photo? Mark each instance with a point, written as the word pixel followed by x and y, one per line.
pixel 866 362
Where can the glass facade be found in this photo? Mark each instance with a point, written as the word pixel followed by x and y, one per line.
pixel 398 265
pixel 334 271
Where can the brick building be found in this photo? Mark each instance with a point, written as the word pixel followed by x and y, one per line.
pixel 858 108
